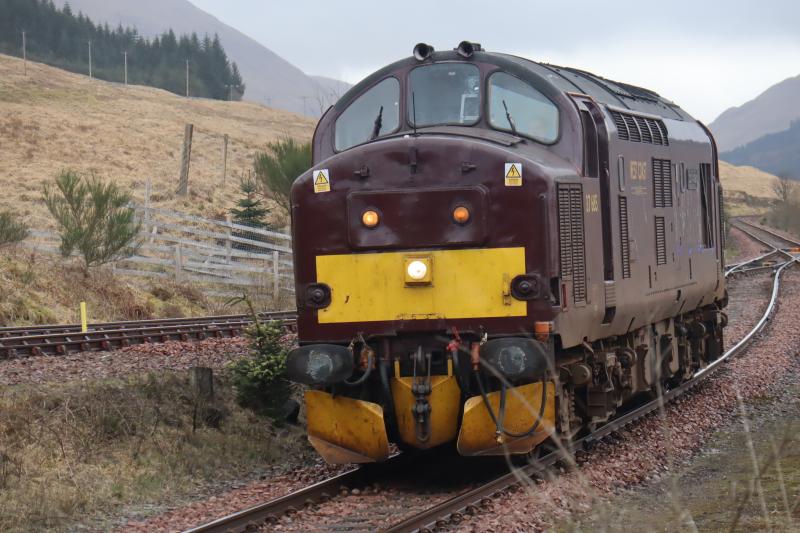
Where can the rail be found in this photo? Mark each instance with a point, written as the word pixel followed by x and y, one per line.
pixel 62 340
pixel 321 491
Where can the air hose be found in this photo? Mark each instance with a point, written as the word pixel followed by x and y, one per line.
pixel 365 375
pixel 499 418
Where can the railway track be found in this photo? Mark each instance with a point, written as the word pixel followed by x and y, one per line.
pixel 768 236
pixel 774 241
pixel 451 511
pixel 64 339
pixel 780 246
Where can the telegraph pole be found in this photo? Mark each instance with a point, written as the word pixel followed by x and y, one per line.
pixel 24 54
pixel 125 53
pixel 90 59
pixel 187 78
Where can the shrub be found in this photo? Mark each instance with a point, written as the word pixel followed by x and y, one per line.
pixel 11 230
pixel 278 167
pixel 249 211
pixel 93 217
pixel 260 379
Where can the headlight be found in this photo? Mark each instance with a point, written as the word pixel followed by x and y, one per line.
pixel 417 270
pixel 370 218
pixel 461 215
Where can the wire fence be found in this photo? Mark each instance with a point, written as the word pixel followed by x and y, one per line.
pixel 219 257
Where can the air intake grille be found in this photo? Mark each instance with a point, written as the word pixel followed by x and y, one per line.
pixel 662 183
pixel 661 241
pixel 570 236
pixel 640 129
pixel 624 243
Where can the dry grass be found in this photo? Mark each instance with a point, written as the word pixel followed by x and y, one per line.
pixel 747 190
pixel 54 120
pixel 751 180
pixel 79 454
pixel 39 289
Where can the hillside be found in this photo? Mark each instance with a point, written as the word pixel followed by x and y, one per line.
pixel 746 190
pixel 778 153
pixel 270 79
pixel 772 111
pixel 53 120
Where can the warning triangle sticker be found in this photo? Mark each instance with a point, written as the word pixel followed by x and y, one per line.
pixel 513 174
pixel 322 181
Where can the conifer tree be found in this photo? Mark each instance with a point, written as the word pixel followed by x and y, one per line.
pixel 250 211
pixel 58 38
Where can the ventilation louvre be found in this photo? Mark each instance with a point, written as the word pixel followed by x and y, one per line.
pixel 661 241
pixel 624 243
pixel 662 183
pixel 640 129
pixel 571 240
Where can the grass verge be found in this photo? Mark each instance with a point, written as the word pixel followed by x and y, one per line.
pixel 77 455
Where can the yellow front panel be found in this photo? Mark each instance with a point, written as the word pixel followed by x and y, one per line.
pixel 464 284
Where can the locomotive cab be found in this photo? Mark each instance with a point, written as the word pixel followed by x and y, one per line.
pixel 444 289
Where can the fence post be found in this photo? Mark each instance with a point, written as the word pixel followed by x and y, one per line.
pixel 224 158
pixel 147 188
pixel 183 185
pixel 178 262
pixel 276 278
pixel 228 243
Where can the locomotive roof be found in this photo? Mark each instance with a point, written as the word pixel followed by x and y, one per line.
pixel 562 79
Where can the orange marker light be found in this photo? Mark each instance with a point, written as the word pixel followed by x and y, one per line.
pixel 461 214
pixel 370 218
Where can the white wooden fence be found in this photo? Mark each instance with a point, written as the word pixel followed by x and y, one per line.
pixel 220 257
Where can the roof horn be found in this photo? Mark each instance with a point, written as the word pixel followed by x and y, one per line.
pixel 422 51
pixel 466 48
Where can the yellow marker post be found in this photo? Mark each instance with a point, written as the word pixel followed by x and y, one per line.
pixel 84 327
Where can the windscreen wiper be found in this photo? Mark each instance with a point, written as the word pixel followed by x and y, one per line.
pixel 376 129
pixel 509 119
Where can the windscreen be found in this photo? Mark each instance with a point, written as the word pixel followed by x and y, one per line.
pixel 444 93
pixel 517 107
pixel 374 113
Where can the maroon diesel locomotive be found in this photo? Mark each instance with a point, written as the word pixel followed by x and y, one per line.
pixel 491 251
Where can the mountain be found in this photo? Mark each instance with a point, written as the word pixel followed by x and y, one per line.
pixel 770 112
pixel 776 153
pixel 270 79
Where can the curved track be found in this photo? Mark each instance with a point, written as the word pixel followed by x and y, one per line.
pixel 766 235
pixel 450 511
pixel 64 339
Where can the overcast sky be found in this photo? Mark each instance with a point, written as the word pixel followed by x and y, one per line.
pixel 706 56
